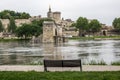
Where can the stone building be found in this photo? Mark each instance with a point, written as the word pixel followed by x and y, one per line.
pixel 54 15
pixel 52 31
pixel 64 24
pixel 59 29
pixel 49 31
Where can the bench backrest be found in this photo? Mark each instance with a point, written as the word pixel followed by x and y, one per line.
pixel 62 63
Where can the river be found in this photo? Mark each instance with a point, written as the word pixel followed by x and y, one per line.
pixel 25 53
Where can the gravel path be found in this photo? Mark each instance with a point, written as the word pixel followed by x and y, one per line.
pixel 41 68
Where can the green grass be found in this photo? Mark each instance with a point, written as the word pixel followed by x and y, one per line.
pixel 12 40
pixel 81 38
pixel 95 37
pixel 60 75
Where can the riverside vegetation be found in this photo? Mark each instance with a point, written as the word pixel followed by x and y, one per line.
pixel 95 38
pixel 92 62
pixel 72 38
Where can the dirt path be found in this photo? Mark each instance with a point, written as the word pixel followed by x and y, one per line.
pixel 41 68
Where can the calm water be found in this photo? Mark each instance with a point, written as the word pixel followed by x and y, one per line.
pixel 30 53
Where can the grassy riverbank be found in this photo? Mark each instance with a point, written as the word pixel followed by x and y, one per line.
pixel 60 75
pixel 95 38
pixel 12 40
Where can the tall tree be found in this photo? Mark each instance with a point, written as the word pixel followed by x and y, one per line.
pixel 81 24
pixel 94 26
pixel 1 27
pixel 116 23
pixel 12 26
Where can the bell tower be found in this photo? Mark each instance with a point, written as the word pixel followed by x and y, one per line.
pixel 50 13
pixel 49 8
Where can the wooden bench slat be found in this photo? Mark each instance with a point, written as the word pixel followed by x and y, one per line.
pixel 53 63
pixel 71 63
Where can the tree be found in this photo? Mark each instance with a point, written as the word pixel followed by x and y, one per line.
pixel 94 26
pixel 33 29
pixel 12 26
pixel 81 24
pixel 73 25
pixel 1 27
pixel 116 23
pixel 24 31
pixel 15 15
pixel 40 23
pixel 24 15
pixel 28 30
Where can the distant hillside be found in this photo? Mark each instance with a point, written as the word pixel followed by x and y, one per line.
pixel 16 15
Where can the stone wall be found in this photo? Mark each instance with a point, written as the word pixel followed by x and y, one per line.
pixel 18 22
pixel 57 16
pixel 70 33
pixel 48 31
pixel 5 23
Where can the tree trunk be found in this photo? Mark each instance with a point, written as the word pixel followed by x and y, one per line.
pixel 80 32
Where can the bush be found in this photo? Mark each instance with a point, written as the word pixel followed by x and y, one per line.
pixel 115 63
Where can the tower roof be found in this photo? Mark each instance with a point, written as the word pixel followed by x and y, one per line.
pixel 49 8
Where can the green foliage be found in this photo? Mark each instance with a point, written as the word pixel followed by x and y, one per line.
pixel 27 30
pixel 84 26
pixel 93 62
pixel 40 22
pixel 95 38
pixel 59 75
pixel 81 38
pixel 14 40
pixel 116 23
pixel 115 63
pixel 33 29
pixel 12 27
pixel 94 26
pixel 82 23
pixel 16 15
pixel 73 25
pixel 1 27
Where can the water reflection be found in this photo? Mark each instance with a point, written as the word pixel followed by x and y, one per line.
pixel 30 53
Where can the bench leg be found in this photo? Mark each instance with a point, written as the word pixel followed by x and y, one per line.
pixel 45 68
pixel 80 66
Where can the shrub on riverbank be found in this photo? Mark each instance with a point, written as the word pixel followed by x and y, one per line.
pixel 116 63
pixel 60 75
pixel 12 40
pixel 93 62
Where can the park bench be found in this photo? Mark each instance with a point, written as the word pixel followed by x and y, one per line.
pixel 62 63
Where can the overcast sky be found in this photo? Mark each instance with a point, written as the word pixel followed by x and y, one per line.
pixel 103 10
